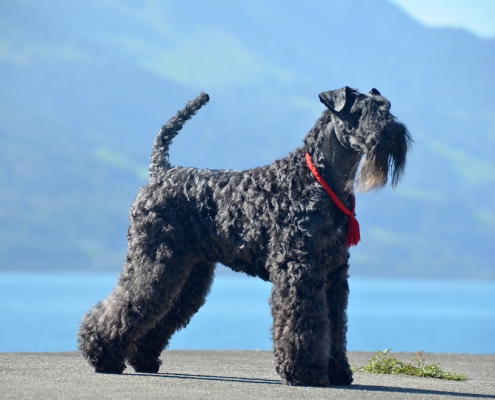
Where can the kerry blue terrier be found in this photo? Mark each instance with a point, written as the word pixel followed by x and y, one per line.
pixel 276 222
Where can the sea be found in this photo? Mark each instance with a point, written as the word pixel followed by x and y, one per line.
pixel 40 312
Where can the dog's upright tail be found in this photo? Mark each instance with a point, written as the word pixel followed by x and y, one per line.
pixel 159 155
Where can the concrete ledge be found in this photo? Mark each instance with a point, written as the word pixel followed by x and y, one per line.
pixel 228 375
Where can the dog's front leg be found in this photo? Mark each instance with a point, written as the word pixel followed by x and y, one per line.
pixel 301 329
pixel 339 370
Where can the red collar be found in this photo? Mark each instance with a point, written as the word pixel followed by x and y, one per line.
pixel 353 234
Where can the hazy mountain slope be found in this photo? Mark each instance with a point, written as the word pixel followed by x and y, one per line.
pixel 86 85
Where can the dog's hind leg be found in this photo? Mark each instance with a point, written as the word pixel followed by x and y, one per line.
pixel 143 295
pixel 339 370
pixel 145 358
pixel 301 330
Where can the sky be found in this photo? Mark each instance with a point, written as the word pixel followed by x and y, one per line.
pixel 476 16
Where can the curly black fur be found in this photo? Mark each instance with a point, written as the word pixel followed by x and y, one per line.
pixel 275 222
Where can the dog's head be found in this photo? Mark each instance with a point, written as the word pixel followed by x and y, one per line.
pixel 363 123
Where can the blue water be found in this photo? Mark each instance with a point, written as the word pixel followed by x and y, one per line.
pixel 41 312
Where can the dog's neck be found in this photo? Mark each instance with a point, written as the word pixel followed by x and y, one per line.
pixel 340 165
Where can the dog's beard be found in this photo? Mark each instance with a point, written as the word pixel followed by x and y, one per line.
pixel 379 162
pixel 373 172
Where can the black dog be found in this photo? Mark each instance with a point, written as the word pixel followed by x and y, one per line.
pixel 276 222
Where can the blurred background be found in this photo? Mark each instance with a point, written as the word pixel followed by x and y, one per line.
pixel 86 85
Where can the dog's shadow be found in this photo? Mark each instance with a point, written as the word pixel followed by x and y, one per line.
pixel 172 375
pixel 357 388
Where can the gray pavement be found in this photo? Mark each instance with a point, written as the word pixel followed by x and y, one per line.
pixel 229 375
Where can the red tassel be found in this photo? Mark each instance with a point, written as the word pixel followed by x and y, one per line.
pixel 353 234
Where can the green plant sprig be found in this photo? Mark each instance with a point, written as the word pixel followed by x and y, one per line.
pixel 384 363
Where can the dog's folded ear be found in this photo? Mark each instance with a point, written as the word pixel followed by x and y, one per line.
pixel 336 100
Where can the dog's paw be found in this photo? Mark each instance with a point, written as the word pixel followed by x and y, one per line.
pixel 301 376
pixel 340 380
pixel 110 368
pixel 340 373
pixel 150 367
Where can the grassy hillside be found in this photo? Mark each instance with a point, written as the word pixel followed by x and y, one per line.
pixel 85 86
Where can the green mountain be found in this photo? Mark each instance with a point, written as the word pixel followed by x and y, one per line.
pixel 85 86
